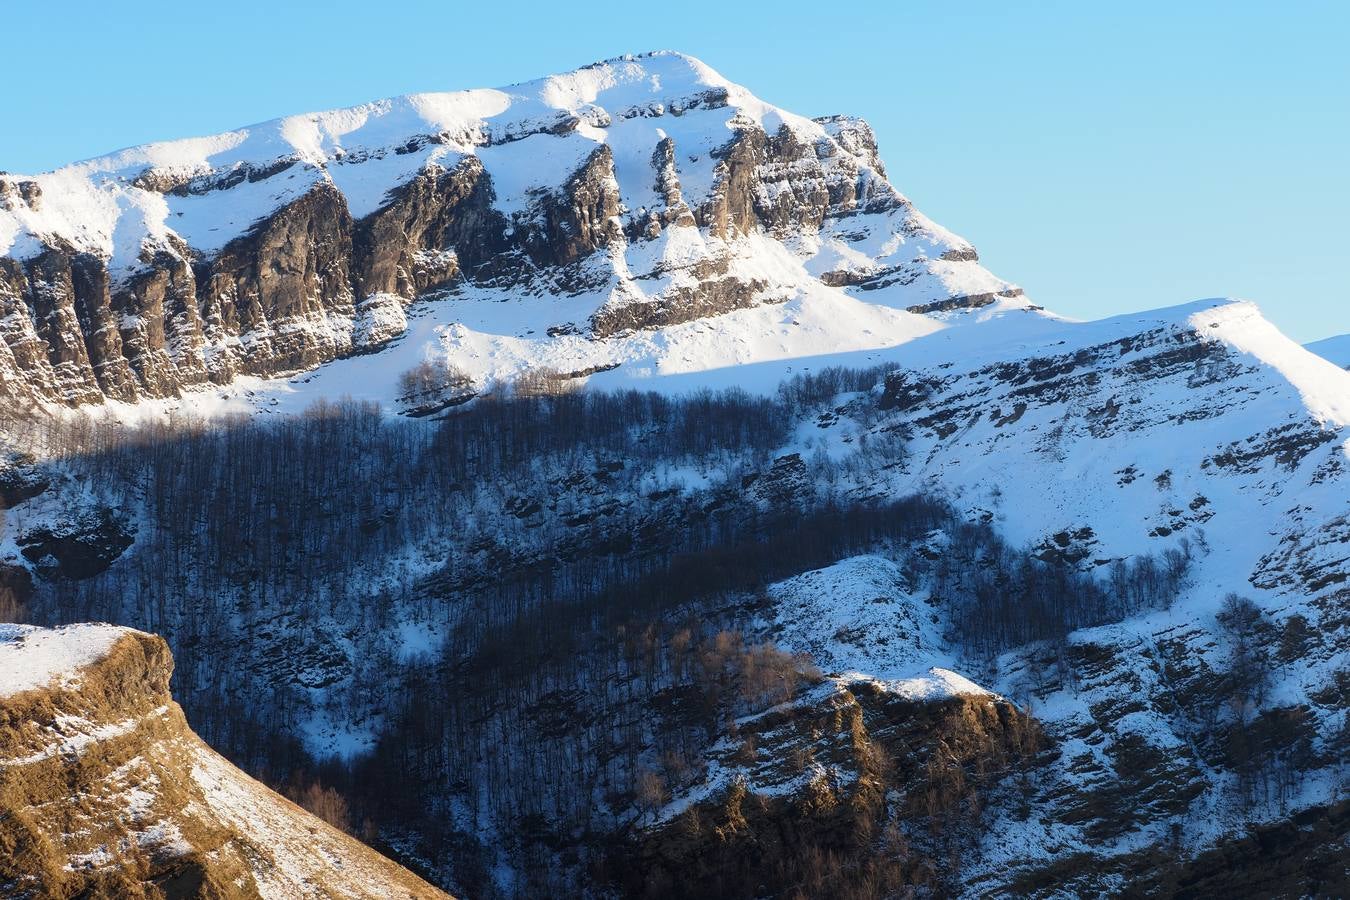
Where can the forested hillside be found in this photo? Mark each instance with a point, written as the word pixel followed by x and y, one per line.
pixel 537 640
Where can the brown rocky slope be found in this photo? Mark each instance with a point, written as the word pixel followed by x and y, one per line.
pixel 106 792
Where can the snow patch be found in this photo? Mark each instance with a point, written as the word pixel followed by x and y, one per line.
pixel 33 657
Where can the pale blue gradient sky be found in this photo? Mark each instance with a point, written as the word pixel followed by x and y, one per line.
pixel 1108 159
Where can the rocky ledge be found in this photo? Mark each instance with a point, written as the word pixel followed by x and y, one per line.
pixel 106 792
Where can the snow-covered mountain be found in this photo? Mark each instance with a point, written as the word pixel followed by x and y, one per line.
pixel 1336 349
pixel 1109 486
pixel 1066 598
pixel 1201 438
pixel 587 221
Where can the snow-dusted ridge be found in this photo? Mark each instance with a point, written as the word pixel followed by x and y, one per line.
pixel 487 334
pixel 102 205
pixel 1324 390
pixel 32 658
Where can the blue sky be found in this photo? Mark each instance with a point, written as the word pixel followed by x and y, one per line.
pixel 1108 157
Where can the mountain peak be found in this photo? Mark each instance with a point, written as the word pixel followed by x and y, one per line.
pixel 84 203
pixel 1240 324
pixel 640 195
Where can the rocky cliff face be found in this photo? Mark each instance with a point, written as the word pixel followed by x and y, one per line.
pixel 811 791
pixel 634 185
pixel 105 792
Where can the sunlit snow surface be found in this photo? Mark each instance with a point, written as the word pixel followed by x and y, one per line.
pixel 629 103
pixel 860 620
pixel 32 657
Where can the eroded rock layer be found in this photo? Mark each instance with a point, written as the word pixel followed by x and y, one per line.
pixel 106 792
pixel 282 246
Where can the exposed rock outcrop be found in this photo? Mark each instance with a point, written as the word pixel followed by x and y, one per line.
pixel 80 546
pixel 105 791
pixel 438 223
pixel 856 785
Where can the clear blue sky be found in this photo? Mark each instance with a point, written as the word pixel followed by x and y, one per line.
pixel 1107 156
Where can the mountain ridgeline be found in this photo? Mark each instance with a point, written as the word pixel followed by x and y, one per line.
pixel 612 486
pixel 279 247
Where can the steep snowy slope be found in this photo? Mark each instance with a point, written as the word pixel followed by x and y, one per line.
pixel 1129 424
pixel 1336 349
pixel 1199 437
pixel 104 791
pixel 582 222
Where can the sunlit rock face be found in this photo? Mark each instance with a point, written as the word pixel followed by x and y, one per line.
pixel 650 190
pixel 105 791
